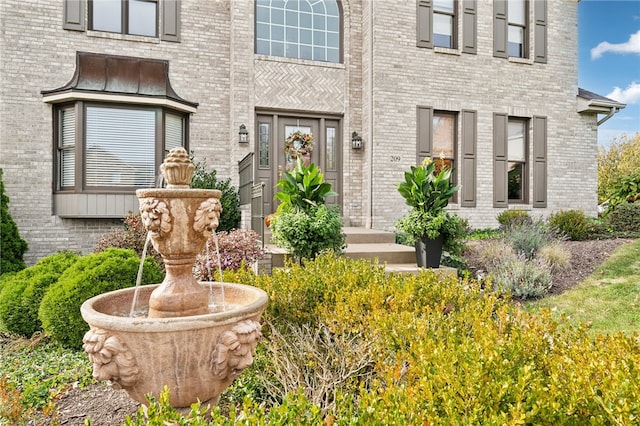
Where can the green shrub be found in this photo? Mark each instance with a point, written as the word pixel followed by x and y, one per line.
pixel 571 223
pixel 90 276
pixel 444 351
pixel 304 234
pixel 527 239
pixel 513 218
pixel 20 299
pixel 626 218
pixel 230 200
pixel 12 246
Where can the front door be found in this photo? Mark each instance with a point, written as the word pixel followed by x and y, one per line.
pixel 272 161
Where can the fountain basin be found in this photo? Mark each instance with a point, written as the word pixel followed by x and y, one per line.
pixel 196 356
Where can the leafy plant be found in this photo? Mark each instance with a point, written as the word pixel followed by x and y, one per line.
pixel 12 246
pixel 419 223
pixel 302 188
pixel 571 223
pixel 625 190
pixel 306 233
pixel 230 200
pixel 237 248
pixel 90 276
pixel 40 371
pixel 425 190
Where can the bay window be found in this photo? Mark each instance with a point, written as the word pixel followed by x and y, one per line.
pixel 113 147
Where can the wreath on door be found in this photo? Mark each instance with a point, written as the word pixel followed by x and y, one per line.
pixel 298 144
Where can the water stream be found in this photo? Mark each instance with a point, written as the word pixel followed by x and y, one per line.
pixel 134 303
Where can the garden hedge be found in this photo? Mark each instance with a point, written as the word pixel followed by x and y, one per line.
pixel 90 276
pixel 21 295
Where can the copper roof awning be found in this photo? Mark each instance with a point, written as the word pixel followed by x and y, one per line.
pixel 121 79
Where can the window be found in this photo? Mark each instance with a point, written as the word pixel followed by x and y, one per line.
pixel 437 138
pixel 127 17
pixel 517 28
pixel 444 139
pixel 512 25
pixel 517 160
pixel 513 160
pixel 114 147
pixel 438 24
pixel 302 29
pixel 136 17
pixel 444 20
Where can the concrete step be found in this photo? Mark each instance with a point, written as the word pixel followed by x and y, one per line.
pixel 368 244
pixel 384 252
pixel 368 236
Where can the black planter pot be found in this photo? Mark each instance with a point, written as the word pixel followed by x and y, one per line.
pixel 429 252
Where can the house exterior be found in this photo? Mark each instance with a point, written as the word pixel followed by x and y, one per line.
pixel 94 93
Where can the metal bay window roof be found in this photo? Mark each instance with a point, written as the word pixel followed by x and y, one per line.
pixel 111 78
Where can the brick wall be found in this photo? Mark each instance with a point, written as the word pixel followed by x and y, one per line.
pixel 376 90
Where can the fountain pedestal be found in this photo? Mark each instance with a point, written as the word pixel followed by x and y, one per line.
pixel 181 344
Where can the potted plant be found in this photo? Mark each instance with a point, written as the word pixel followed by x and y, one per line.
pixel 427 191
pixel 303 224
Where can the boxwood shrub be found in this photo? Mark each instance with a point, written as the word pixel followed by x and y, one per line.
pixel 90 276
pixel 447 351
pixel 21 295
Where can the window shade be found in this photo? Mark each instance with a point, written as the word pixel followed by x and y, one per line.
pixel 67 147
pixel 173 132
pixel 120 147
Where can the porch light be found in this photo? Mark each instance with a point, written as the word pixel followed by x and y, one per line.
pixel 243 134
pixel 356 141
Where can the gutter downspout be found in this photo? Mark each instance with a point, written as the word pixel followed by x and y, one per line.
pixel 369 220
pixel 612 112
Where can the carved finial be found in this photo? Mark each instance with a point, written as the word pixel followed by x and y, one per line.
pixel 177 168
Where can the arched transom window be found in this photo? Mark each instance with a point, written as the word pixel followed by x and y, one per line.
pixel 303 29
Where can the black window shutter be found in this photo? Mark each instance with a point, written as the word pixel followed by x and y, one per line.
pixel 468 167
pixel 425 124
pixel 539 161
pixel 171 20
pixel 469 27
pixel 424 33
pixel 500 138
pixel 540 31
pixel 73 11
pixel 500 28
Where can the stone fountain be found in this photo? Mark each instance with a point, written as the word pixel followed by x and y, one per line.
pixel 183 342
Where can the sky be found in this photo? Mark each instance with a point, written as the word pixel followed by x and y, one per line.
pixel 609 60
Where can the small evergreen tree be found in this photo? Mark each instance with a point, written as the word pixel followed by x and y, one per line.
pixel 230 200
pixel 12 246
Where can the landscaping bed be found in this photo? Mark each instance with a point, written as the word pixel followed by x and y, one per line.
pixel 107 406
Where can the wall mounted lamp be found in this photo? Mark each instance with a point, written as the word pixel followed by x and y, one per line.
pixel 356 141
pixel 243 134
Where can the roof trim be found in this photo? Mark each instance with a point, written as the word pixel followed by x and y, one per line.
pixel 120 79
pixel 589 102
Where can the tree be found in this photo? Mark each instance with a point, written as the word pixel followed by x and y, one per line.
pixel 12 246
pixel 621 159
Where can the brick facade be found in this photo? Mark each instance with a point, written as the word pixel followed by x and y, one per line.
pixel 376 90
